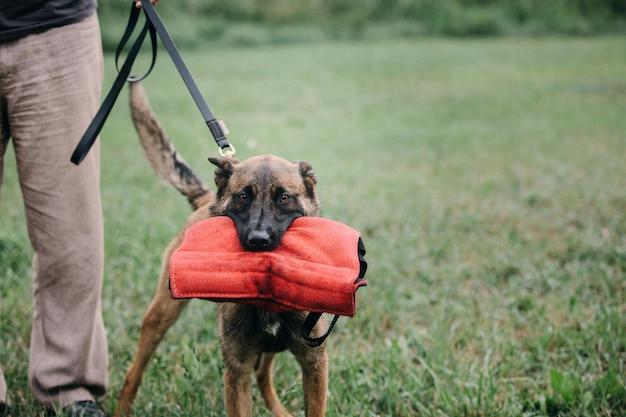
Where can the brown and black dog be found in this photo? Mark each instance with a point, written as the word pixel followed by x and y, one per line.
pixel 262 195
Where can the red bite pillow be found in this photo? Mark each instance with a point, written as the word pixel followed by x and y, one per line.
pixel 317 267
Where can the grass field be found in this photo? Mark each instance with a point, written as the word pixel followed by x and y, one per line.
pixel 488 179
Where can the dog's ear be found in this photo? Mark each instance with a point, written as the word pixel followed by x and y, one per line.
pixel 225 167
pixel 308 178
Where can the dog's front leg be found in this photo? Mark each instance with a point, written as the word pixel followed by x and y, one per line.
pixel 240 350
pixel 314 364
pixel 161 314
pixel 237 392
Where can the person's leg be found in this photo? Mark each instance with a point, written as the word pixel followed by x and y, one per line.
pixel 4 138
pixel 52 94
pixel 3 389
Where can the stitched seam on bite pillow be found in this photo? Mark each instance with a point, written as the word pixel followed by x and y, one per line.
pixel 301 307
pixel 306 265
pixel 312 287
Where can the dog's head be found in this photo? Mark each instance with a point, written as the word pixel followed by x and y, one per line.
pixel 263 195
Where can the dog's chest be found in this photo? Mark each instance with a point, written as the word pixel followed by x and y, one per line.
pixel 272 327
pixel 275 337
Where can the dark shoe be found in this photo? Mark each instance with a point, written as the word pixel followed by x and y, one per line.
pixel 83 409
pixel 4 410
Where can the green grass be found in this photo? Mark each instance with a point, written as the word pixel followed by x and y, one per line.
pixel 488 179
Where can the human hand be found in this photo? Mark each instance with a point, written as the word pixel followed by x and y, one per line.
pixel 138 3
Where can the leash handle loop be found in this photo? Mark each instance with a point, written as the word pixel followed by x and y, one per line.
pixel 130 27
pixel 307 328
pixel 154 26
pixel 90 135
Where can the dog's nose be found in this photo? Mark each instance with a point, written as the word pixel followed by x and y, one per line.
pixel 259 239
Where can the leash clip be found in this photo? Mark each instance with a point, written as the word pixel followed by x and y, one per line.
pixel 220 131
pixel 227 151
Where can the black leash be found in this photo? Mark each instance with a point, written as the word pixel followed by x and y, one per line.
pixel 154 26
pixel 307 328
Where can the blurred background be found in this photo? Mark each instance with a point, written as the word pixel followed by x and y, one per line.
pixel 480 148
pixel 260 22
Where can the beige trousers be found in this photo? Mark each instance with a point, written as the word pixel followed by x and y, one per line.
pixel 49 91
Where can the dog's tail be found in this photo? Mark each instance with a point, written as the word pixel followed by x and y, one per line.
pixel 161 152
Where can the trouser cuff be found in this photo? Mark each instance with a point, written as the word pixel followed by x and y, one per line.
pixel 67 397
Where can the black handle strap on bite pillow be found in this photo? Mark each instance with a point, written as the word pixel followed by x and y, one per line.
pixel 154 26
pixel 312 318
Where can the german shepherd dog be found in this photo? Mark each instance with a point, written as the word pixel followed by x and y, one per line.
pixel 262 195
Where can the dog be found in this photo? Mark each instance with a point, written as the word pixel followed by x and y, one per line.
pixel 262 195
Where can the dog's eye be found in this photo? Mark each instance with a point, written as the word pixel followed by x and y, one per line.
pixel 284 197
pixel 243 196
